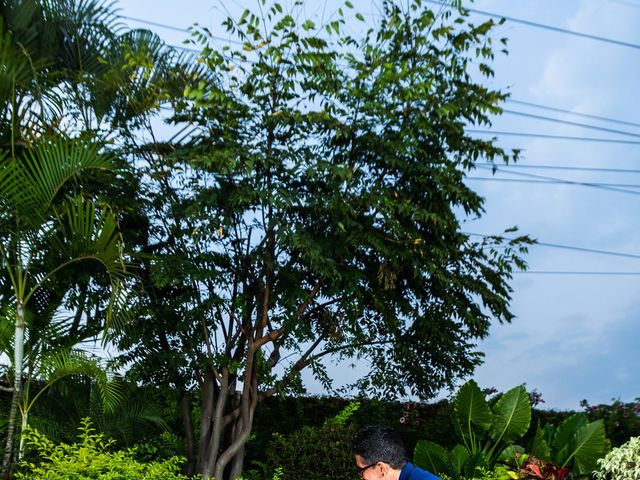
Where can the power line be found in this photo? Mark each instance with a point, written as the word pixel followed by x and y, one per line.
pixel 560 182
pixel 546 179
pixel 616 187
pixel 539 117
pixel 553 137
pixel 549 27
pixel 568 272
pixel 566 247
pixel 623 2
pixel 567 122
pixel 186 49
pixel 571 112
pixel 156 24
pixel 177 29
pixel 558 167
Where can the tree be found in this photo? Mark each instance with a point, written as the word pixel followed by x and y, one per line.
pixel 47 224
pixel 317 211
pixel 47 234
pixel 71 80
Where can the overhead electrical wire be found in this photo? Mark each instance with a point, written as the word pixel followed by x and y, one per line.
pixel 479 12
pixel 533 178
pixel 548 27
pixel 574 182
pixel 553 137
pixel 567 122
pixel 616 187
pixel 156 24
pixel 558 167
pixel 571 112
pixel 566 247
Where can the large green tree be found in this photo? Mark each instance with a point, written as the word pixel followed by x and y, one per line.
pixel 314 209
pixel 71 79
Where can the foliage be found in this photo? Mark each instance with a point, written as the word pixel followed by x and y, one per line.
pixel 621 419
pixel 621 463
pixel 48 235
pixel 90 458
pixel 575 443
pixel 488 432
pixel 314 205
pixel 70 79
pixel 534 468
pixel 531 469
pixel 323 453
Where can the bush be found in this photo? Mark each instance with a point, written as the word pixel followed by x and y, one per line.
pixel 621 419
pixel 321 453
pixel 621 463
pixel 90 458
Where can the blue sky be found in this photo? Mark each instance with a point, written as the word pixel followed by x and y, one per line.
pixel 575 335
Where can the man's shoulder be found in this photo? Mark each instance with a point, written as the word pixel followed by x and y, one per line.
pixel 411 472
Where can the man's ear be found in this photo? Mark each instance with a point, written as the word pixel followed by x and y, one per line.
pixel 383 469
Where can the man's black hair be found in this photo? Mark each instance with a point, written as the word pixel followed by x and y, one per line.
pixel 379 443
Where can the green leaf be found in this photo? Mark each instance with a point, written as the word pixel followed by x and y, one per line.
pixel 539 446
pixel 31 183
pixel 470 408
pixel 430 456
pixel 459 456
pixel 590 442
pixel 511 416
pixel 564 434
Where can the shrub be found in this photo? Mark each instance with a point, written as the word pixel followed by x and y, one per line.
pixel 88 459
pixel 621 463
pixel 321 453
pixel 621 419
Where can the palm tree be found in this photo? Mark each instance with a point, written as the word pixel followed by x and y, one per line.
pixel 49 231
pixel 65 66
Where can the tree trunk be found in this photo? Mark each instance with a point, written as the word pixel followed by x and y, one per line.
pixel 185 404
pixel 23 426
pixel 216 427
pixel 18 354
pixel 224 431
pixel 248 402
pixel 238 461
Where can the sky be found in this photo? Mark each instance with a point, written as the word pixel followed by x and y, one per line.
pixel 576 329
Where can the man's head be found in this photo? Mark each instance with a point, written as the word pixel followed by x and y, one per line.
pixel 379 452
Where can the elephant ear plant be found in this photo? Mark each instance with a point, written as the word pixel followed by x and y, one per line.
pixel 488 432
pixel 575 443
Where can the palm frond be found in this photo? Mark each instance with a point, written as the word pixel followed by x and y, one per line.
pixel 16 69
pixel 60 364
pixel 132 419
pixel 89 233
pixel 88 30
pixel 32 182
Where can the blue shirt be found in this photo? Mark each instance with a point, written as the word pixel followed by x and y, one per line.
pixel 409 472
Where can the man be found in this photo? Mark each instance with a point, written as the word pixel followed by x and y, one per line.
pixel 380 454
